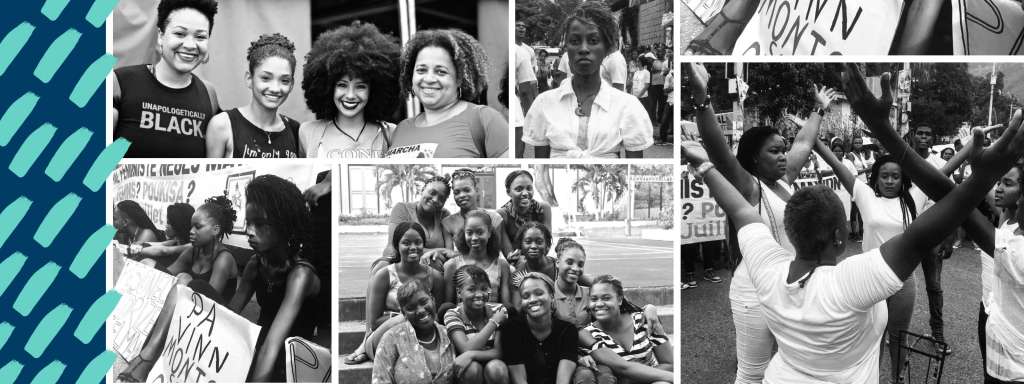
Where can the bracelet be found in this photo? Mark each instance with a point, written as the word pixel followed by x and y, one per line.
pixel 703 168
pixel 496 325
pixel 702 106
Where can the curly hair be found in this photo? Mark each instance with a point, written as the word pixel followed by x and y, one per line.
pixel 812 213
pixel 358 50
pixel 493 246
pixel 467 54
pixel 163 11
pixel 221 211
pixel 179 216
pixel 286 210
pixel 533 225
pixel 514 175
pixel 134 212
pixel 270 45
pixel 597 14
pixel 750 144
pixel 409 289
pixel 400 230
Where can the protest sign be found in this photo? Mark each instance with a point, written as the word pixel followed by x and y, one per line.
pixel 703 219
pixel 820 27
pixel 826 177
pixel 987 27
pixel 143 291
pixel 206 342
pixel 705 9
pixel 306 362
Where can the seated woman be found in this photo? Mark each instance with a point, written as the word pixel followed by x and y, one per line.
pixel 446 70
pixel 350 81
pixel 257 130
pixel 538 347
pixel 280 274
pixel 179 217
pixel 473 329
pixel 133 225
pixel 521 208
pixel 466 192
pixel 382 307
pixel 619 337
pixel 417 351
pixel 816 306
pixel 207 267
pixel 429 213
pixel 478 245
pixel 586 117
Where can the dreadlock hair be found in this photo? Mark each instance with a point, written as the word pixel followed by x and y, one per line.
pixel 598 14
pixel 221 211
pixel 179 216
pixel 750 144
pixel 358 50
pixel 163 11
pixel 466 53
pixel 626 306
pixel 514 175
pixel 462 245
pixel 286 212
pixel 533 225
pixel 270 45
pixel 400 230
pixel 137 215
pixel 907 204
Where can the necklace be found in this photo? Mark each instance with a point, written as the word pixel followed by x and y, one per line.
pixel 152 70
pixel 354 139
pixel 433 337
pixel 583 100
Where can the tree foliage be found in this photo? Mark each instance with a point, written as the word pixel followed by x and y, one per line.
pixel 544 18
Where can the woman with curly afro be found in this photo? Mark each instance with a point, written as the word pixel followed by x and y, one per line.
pixel 446 70
pixel 143 94
pixel 257 130
pixel 350 81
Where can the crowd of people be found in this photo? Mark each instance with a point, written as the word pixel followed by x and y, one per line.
pixel 355 78
pixel 595 99
pixel 801 312
pixel 476 296
pixel 288 267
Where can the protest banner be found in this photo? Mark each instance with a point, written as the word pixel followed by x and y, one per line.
pixel 705 9
pixel 703 219
pixel 820 27
pixel 826 177
pixel 143 291
pixel 987 27
pixel 206 342
pixel 306 362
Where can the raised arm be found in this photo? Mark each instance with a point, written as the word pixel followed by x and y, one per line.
pixel 904 252
pixel 728 197
pixel 875 114
pixel 846 177
pixel 720 35
pixel 961 156
pixel 714 141
pixel 808 135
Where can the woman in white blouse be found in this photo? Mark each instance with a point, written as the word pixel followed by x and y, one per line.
pixel 587 117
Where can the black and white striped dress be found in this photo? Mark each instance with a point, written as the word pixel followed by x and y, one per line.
pixel 642 350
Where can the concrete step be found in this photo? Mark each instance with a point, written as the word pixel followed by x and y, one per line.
pixel 354 308
pixel 350 333
pixel 361 373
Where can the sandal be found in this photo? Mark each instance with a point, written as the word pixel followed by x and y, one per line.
pixel 356 359
pixel 128 375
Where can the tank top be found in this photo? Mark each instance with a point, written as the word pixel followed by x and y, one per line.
pixel 161 121
pixel 252 142
pixel 493 275
pixel 772 209
pixel 270 296
pixel 229 286
pixel 395 282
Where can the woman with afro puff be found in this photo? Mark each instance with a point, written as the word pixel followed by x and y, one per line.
pixel 350 81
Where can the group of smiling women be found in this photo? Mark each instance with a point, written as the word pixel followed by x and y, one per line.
pixel 354 80
pixel 827 316
pixel 475 297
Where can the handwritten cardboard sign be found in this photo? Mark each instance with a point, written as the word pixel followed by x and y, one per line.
pixel 705 9
pixel 143 291
pixel 820 27
pixel 306 362
pixel 987 27
pixel 206 342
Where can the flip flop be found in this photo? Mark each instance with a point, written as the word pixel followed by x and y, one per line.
pixel 356 359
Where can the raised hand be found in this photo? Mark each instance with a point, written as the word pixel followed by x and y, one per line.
pixel 694 153
pixel 1006 150
pixel 824 96
pixel 698 81
pixel 873 111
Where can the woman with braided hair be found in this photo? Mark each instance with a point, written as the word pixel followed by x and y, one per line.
pixel 257 130
pixel 446 70
pixel 280 273
pixel 350 81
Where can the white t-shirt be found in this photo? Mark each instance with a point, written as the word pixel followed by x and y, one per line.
pixel 883 217
pixel 936 161
pixel 641 79
pixel 829 330
pixel 617 121
pixel 524 64
pixel 772 209
pixel 613 68
pixel 1003 235
pixel 1005 328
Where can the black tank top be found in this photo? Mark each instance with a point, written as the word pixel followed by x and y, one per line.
pixel 161 121
pixel 252 142
pixel 229 286
pixel 270 296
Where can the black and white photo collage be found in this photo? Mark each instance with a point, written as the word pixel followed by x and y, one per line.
pixel 567 191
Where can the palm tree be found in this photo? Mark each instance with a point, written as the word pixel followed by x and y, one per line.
pixel 544 185
pixel 604 183
pixel 407 177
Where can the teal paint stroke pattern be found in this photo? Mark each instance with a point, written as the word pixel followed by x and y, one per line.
pixel 53 166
